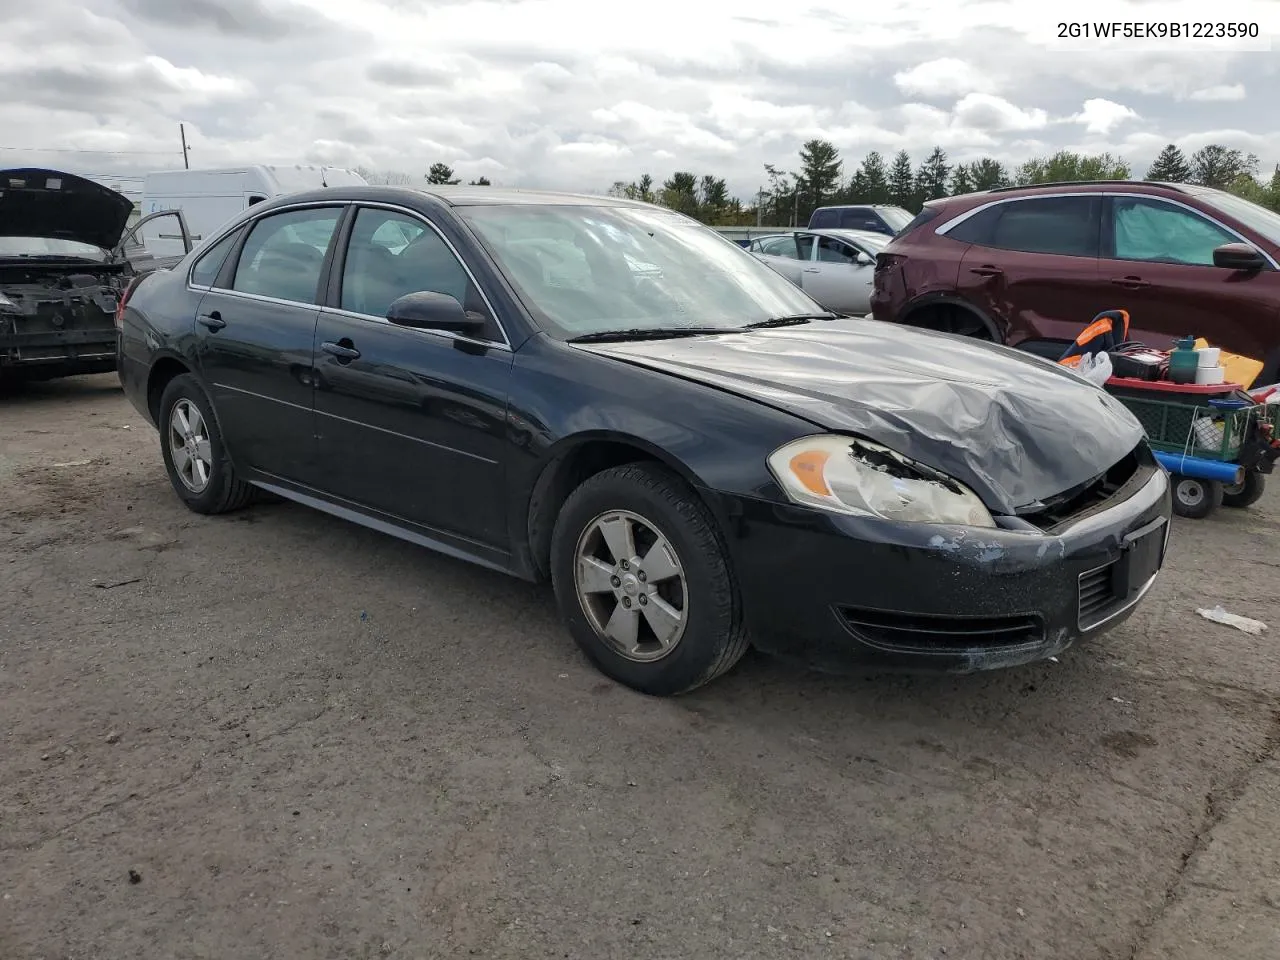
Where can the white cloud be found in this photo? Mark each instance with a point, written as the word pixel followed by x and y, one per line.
pixel 1221 93
pixel 982 111
pixel 549 93
pixel 1103 116
pixel 947 77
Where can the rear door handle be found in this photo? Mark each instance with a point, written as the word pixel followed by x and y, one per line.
pixel 812 270
pixel 213 320
pixel 1130 283
pixel 986 271
pixel 339 350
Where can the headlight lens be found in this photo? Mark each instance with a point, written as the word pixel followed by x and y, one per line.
pixel 846 475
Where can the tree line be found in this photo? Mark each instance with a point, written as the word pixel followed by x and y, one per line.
pixel 822 179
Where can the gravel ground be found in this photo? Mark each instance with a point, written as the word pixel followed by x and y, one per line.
pixel 277 735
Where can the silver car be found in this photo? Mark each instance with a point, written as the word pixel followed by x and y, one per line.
pixel 835 267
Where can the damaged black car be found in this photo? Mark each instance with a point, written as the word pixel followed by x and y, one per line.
pixel 65 260
pixel 611 396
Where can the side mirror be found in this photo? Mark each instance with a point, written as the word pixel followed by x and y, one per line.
pixel 864 260
pixel 1238 256
pixel 425 310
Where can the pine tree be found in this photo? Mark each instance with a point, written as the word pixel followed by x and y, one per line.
pixel 1170 167
pixel 902 182
pixel 931 179
pixel 961 180
pixel 988 174
pixel 876 180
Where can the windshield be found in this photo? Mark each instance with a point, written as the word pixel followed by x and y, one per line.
pixel 1255 217
pixel 586 269
pixel 895 217
pixel 49 247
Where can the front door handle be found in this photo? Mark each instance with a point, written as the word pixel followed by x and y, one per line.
pixel 812 270
pixel 1130 283
pixel 213 320
pixel 986 270
pixel 343 350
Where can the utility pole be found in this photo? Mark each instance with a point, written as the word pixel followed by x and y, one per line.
pixel 182 132
pixel 760 207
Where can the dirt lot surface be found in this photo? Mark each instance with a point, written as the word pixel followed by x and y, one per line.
pixel 276 735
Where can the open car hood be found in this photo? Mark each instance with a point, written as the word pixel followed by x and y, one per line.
pixel 1015 428
pixel 53 204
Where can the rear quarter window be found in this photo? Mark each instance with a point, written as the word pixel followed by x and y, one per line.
pixel 824 218
pixel 919 220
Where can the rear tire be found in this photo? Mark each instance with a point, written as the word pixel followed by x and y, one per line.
pixel 1246 493
pixel 194 456
pixel 1195 499
pixel 687 628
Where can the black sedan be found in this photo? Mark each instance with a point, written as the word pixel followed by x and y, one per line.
pixel 612 396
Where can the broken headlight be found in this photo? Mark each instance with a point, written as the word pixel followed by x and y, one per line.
pixel 847 475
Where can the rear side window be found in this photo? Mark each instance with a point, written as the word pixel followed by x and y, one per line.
pixel 1064 226
pixel 208 266
pixel 284 255
pixel 858 219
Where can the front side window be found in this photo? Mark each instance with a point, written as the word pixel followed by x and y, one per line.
pixel 574 267
pixel 284 255
pixel 831 250
pixel 781 247
pixel 210 263
pixel 1150 230
pixel 392 254
pixel 1064 226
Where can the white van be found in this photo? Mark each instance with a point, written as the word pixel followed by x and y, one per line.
pixel 209 198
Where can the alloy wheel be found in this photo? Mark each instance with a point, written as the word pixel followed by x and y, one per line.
pixel 189 446
pixel 631 585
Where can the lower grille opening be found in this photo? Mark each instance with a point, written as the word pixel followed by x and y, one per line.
pixel 919 633
pixel 1097 595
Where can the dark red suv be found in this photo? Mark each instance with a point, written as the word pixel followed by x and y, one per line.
pixel 1031 266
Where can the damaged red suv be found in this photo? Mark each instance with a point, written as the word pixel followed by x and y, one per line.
pixel 1031 266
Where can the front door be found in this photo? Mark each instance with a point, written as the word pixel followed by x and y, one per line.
pixel 411 423
pixel 255 328
pixel 837 278
pixel 1158 261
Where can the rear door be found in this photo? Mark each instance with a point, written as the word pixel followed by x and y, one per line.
pixel 255 330
pixel 1158 261
pixel 1032 266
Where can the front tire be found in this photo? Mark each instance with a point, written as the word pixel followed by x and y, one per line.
pixel 1247 492
pixel 1195 499
pixel 642 580
pixel 194 456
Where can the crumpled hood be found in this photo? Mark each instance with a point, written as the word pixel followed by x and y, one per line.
pixel 1015 428
pixel 49 203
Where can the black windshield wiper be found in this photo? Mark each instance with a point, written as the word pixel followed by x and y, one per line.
pixel 790 321
pixel 647 333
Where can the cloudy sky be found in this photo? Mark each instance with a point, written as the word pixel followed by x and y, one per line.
pixel 566 93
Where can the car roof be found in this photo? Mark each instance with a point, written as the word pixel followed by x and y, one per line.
pixel 460 196
pixel 1158 187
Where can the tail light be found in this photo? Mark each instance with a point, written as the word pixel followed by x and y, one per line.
pixel 124 300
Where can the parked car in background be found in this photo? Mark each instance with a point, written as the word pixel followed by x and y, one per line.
pixel 1030 266
pixel 835 267
pixel 65 260
pixel 682 441
pixel 209 198
pixel 874 218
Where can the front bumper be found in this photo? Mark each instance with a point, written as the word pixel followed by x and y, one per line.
pixel 826 588
pixel 94 347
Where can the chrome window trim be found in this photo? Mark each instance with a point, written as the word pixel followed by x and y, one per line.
pixel 946 226
pixel 505 343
